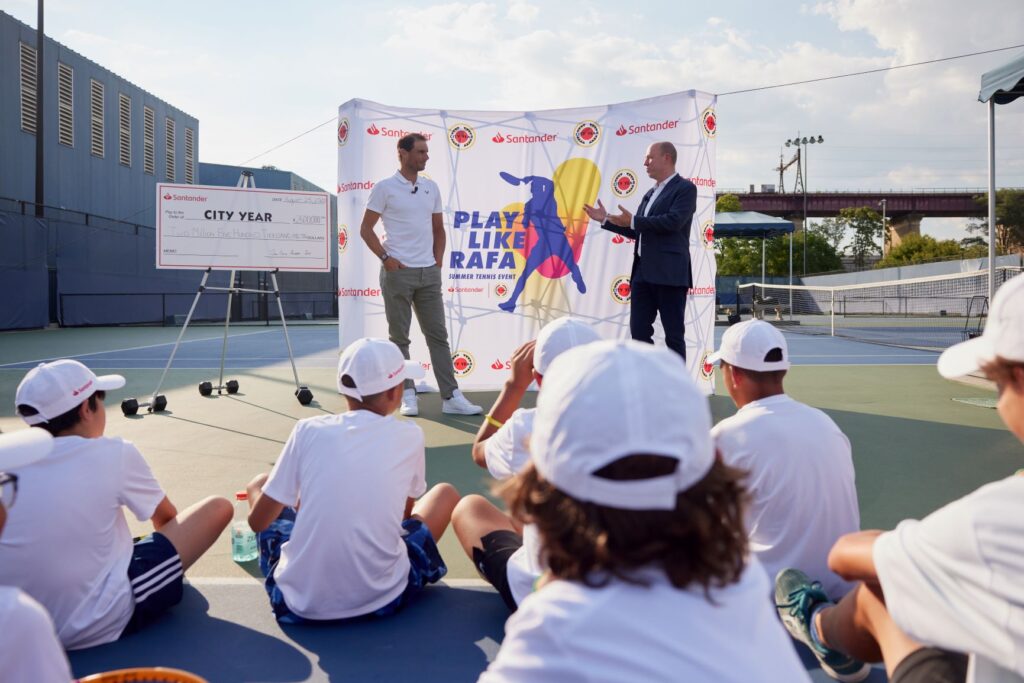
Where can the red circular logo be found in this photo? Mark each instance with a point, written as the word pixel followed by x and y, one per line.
pixel 708 233
pixel 461 136
pixel 707 370
pixel 586 133
pixel 501 289
pixel 342 132
pixel 462 363
pixel 621 289
pixel 624 183
pixel 342 238
pixel 710 122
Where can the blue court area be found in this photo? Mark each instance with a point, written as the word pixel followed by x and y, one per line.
pixel 317 347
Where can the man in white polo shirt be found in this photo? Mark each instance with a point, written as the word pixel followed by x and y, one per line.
pixel 410 277
pixel 801 481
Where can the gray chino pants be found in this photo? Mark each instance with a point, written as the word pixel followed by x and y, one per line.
pixel 419 289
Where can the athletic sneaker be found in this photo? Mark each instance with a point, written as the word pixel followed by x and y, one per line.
pixel 410 404
pixel 796 597
pixel 459 405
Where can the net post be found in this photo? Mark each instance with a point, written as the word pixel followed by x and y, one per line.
pixel 832 311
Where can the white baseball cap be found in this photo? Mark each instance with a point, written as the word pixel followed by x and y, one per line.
pixel 24 447
pixel 747 344
pixel 375 365
pixel 55 388
pixel 1003 336
pixel 559 336
pixel 606 400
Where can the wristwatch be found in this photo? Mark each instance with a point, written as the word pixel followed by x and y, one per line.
pixel 384 257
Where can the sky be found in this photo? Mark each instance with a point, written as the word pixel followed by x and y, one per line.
pixel 257 74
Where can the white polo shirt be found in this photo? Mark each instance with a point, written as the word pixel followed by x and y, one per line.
pixel 407 217
pixel 955 579
pixel 801 481
pixel 567 631
pixel 353 472
pixel 506 454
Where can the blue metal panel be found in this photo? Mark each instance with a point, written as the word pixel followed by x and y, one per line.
pixel 75 179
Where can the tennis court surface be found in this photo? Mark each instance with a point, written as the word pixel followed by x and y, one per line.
pixel 915 448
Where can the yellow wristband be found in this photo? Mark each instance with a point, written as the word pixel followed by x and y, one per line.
pixel 491 421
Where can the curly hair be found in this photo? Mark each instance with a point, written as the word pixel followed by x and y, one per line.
pixel 702 541
pixel 1002 371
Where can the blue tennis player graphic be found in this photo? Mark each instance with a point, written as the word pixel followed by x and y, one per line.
pixel 541 210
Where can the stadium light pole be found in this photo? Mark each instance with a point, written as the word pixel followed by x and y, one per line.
pixel 884 230
pixel 797 142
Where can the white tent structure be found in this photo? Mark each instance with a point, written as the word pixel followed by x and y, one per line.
pixel 999 86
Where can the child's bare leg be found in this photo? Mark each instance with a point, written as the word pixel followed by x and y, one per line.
pixel 475 517
pixel 435 508
pixel 861 627
pixel 196 528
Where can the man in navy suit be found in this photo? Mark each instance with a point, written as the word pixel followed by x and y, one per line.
pixel 661 251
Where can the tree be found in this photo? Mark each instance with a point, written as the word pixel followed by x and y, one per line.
pixel 1009 220
pixel 831 230
pixel 866 226
pixel 728 203
pixel 925 249
pixel 741 256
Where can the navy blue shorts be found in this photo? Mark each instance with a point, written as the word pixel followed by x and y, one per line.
pixel 156 577
pixel 425 566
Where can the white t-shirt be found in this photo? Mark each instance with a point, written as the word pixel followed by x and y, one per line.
pixel 407 218
pixel 956 579
pixel 506 453
pixel 803 494
pixel 67 542
pixel 567 632
pixel 29 649
pixel 354 473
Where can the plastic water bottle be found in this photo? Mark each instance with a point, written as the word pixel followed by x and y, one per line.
pixel 243 540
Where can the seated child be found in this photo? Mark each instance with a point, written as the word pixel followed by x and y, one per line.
pixel 69 546
pixel 360 543
pixel 504 552
pixel 641 526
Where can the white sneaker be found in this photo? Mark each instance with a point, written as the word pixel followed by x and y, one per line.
pixel 459 405
pixel 410 404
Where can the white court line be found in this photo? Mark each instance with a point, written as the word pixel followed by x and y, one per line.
pixel 864 355
pixel 253 581
pixel 861 365
pixel 130 348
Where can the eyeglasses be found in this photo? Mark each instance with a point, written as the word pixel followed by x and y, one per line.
pixel 415 189
pixel 8 489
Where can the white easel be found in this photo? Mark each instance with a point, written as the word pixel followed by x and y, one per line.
pixel 158 402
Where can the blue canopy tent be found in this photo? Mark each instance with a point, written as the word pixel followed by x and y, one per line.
pixel 754 225
pixel 998 86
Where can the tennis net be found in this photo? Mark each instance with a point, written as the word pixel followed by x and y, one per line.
pixel 927 312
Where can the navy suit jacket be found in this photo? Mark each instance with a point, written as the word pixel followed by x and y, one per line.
pixel 664 234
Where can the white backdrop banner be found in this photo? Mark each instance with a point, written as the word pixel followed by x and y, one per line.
pixel 503 176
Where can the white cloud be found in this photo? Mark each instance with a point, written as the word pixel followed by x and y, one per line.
pixel 522 12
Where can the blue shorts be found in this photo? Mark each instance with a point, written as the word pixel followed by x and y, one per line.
pixel 156 578
pixel 425 566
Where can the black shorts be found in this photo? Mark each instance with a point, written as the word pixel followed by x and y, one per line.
pixel 931 665
pixel 156 578
pixel 492 561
